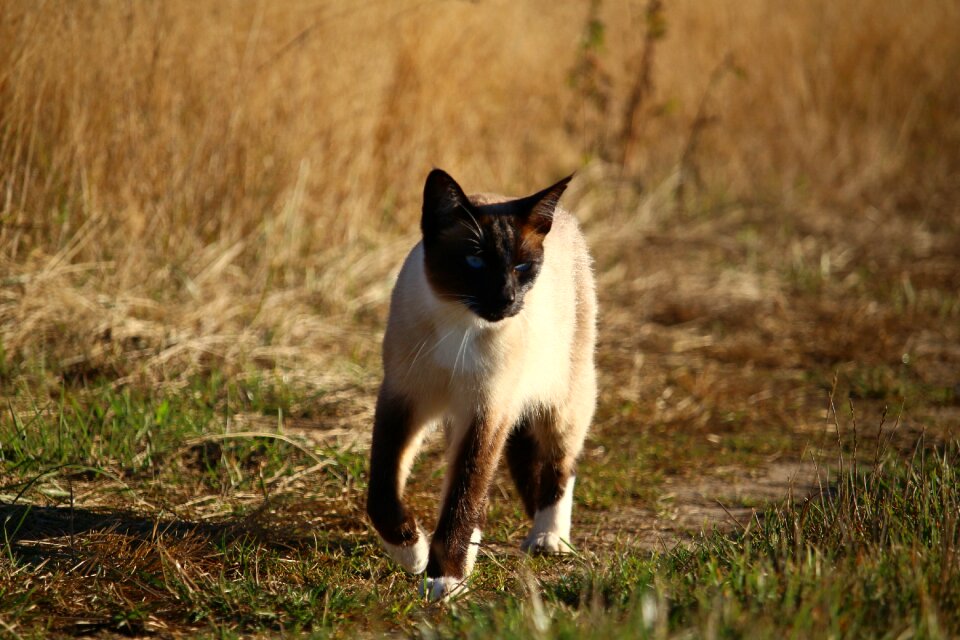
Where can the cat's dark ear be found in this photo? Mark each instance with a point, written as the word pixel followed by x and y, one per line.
pixel 541 206
pixel 442 197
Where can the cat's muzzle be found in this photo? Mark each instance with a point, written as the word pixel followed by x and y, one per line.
pixel 499 313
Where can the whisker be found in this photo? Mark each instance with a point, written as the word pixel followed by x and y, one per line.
pixel 430 350
pixel 479 229
pixel 423 343
pixel 456 360
pixel 475 231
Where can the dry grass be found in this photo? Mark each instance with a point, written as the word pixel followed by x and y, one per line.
pixel 192 185
pixel 200 201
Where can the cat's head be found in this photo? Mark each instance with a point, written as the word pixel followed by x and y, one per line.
pixel 484 256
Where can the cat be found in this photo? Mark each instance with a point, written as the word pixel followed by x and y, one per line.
pixel 491 334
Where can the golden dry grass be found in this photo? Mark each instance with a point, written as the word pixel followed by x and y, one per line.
pixel 194 184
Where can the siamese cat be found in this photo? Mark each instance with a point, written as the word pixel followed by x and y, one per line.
pixel 491 334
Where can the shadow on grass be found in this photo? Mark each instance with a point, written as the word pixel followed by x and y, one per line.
pixel 34 534
pixel 78 571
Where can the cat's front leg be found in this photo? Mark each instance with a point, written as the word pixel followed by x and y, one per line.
pixel 456 541
pixel 396 439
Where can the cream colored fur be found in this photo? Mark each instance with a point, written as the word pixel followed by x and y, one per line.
pixel 412 557
pixel 454 364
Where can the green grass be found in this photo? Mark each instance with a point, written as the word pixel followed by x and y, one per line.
pixel 128 512
pixel 163 436
pixel 875 556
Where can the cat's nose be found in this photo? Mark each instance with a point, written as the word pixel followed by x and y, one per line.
pixel 509 295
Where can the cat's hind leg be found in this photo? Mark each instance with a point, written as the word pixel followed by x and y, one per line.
pixel 526 463
pixel 396 439
pixel 550 533
pixel 543 459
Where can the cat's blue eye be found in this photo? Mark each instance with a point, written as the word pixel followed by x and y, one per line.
pixel 523 266
pixel 475 262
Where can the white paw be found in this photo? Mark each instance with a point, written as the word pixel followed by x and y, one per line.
pixel 551 526
pixel 546 543
pixel 412 557
pixel 444 588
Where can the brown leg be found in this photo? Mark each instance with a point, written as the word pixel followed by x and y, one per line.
pixel 454 543
pixel 555 467
pixel 555 473
pixel 395 440
pixel 540 471
pixel 550 533
pixel 526 465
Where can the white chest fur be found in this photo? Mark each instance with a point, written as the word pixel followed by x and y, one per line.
pixel 458 350
pixel 444 351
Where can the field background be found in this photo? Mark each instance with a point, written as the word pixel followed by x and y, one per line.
pixel 202 209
